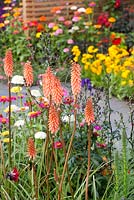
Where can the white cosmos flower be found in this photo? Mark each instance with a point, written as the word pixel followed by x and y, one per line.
pixel 14 108
pixel 19 123
pixel 73 8
pixel 81 10
pixel 75 28
pixel 68 119
pixel 17 79
pixel 36 93
pixel 40 135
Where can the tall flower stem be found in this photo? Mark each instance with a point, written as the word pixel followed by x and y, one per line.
pixel 9 116
pixel 88 167
pixel 2 160
pixel 34 178
pixel 67 157
pixel 64 149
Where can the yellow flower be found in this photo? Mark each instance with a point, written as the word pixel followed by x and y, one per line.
pixel 7 1
pixel 6 15
pixel 123 83
pixel 2 25
pixel 125 74
pixel 38 35
pixel 112 19
pixel 4 133
pixel 97 26
pixel 16 89
pixel 131 83
pixel 89 11
pixel 55 28
pixel 86 67
pixel 6 140
pixel 16 14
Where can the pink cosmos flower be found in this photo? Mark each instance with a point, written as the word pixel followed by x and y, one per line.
pixel 58 31
pixel 51 25
pixel 61 19
pixel 65 92
pixel 75 19
pixel 92 4
pixel 70 41
pixel 68 23
pixel 66 50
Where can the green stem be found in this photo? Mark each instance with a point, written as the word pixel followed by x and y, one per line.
pixel 67 156
pixel 9 127
pixel 88 167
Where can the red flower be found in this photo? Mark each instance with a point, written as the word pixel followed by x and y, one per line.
pixel 58 145
pixel 117 3
pixel 13 175
pixel 116 41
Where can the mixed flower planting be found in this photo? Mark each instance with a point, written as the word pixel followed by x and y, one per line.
pixel 58 140
pixel 102 45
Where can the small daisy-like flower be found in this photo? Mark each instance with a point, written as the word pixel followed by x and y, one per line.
pixel 36 93
pixel 23 109
pixel 4 120
pixel 31 148
pixel 68 100
pixel 16 89
pixel 6 140
pixel 4 99
pixel 5 133
pixel 40 135
pixel 14 108
pixel 18 80
pixel 34 114
pixel 19 123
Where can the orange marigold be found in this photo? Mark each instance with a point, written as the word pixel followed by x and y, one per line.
pixel 76 78
pixel 89 112
pixel 57 91
pixel 31 148
pixel 47 83
pixel 28 73
pixel 53 120
pixel 8 63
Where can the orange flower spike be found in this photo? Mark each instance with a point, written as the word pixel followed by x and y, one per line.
pixel 76 79
pixel 47 83
pixel 8 63
pixel 53 121
pixel 31 148
pixel 28 73
pixel 57 91
pixel 89 112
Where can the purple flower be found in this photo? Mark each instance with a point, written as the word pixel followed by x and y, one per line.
pixel 86 83
pixel 97 127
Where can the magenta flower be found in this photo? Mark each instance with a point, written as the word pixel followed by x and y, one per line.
pixel 13 175
pixel 97 127
pixel 92 4
pixel 4 99
pixel 58 145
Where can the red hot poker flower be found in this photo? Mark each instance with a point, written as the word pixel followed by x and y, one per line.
pixel 8 63
pixel 28 73
pixel 31 148
pixel 89 112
